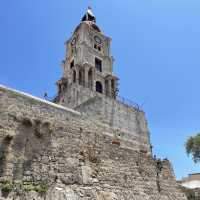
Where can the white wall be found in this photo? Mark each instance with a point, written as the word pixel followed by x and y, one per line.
pixel 192 184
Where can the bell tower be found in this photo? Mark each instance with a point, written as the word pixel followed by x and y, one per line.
pixel 88 65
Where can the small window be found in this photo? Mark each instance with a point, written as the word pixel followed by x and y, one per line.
pixel 98 64
pixel 99 48
pixel 72 64
pixel 95 46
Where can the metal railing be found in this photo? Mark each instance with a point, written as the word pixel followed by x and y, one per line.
pixel 129 103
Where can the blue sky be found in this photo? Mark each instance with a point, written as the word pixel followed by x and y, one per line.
pixel 156 47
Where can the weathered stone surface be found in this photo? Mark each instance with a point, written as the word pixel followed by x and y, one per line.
pixel 74 157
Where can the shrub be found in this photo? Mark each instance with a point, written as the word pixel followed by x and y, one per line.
pixel 41 189
pixel 6 187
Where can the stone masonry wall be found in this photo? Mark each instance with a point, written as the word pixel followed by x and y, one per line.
pixel 117 115
pixel 51 152
pixel 125 119
pixel 74 95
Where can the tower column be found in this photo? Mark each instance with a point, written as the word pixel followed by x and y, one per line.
pixel 77 75
pixel 86 78
pixel 113 88
pixel 93 78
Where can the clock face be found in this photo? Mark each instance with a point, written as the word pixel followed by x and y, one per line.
pixel 73 41
pixel 97 39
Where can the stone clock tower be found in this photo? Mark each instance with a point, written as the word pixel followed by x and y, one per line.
pixel 88 65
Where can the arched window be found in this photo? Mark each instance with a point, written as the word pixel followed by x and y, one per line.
pixel 98 64
pixel 90 78
pixel 81 77
pixel 72 64
pixel 74 76
pixel 99 87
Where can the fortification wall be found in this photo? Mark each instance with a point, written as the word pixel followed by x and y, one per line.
pixel 51 152
pixel 124 118
pixel 117 115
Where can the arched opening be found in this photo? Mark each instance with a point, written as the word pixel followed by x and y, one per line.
pixel 99 87
pixel 74 76
pixel 106 88
pixel 90 78
pixel 98 64
pixel 81 77
pixel 72 64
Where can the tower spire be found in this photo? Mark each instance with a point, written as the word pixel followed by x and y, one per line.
pixel 89 16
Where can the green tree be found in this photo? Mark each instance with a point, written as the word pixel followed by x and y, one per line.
pixel 193 147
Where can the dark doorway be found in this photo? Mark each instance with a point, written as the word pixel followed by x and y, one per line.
pixel 99 87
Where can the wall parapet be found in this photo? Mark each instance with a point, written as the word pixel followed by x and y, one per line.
pixel 37 99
